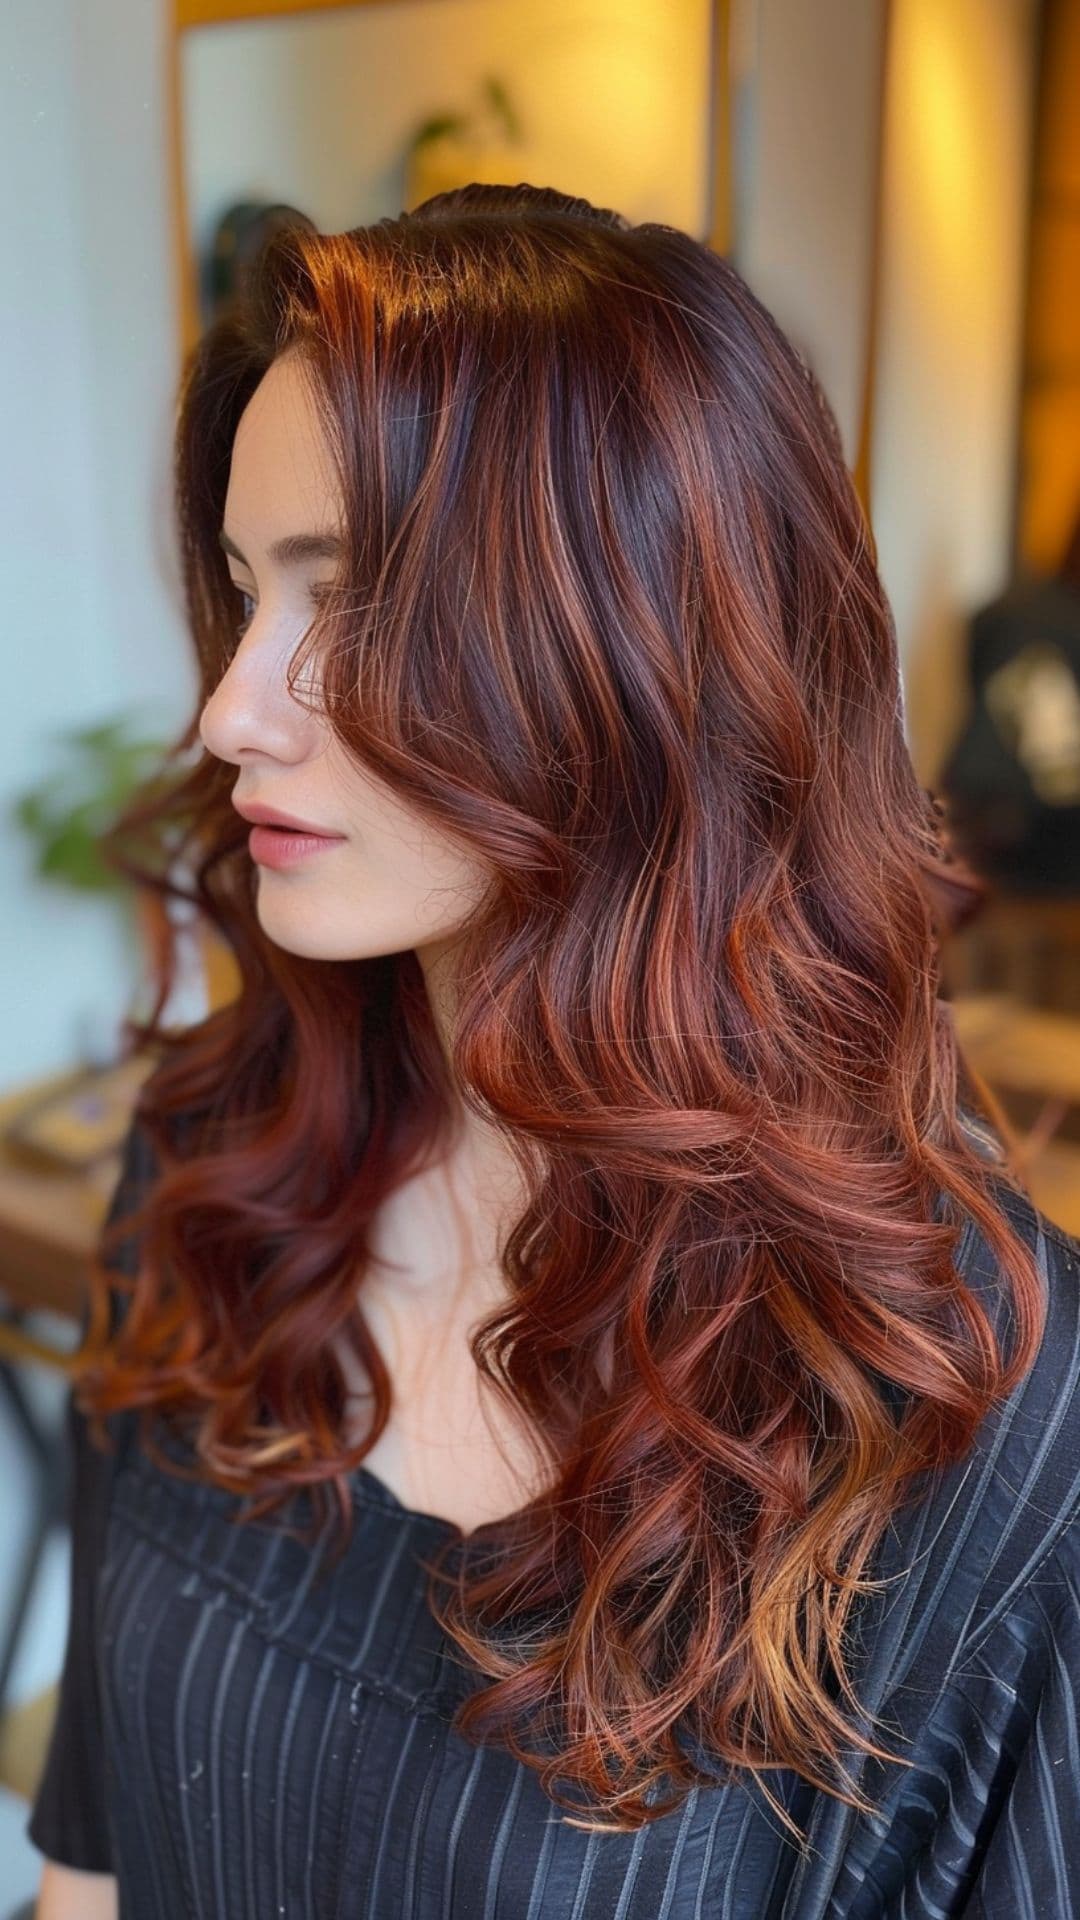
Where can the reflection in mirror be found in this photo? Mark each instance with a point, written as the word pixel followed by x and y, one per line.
pixel 350 114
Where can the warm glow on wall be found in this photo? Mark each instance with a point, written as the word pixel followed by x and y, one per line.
pixel 1050 489
pixel 954 222
pixel 944 149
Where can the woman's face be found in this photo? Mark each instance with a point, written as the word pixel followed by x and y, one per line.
pixel 389 881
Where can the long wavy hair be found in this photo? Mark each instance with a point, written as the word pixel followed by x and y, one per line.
pixel 609 614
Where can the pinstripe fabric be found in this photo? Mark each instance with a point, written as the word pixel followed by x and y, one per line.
pixel 243 1735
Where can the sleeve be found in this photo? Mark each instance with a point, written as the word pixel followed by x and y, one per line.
pixel 68 1817
pixel 1031 1867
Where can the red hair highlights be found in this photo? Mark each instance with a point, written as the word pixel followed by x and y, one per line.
pixel 611 615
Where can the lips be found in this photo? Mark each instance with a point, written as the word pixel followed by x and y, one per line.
pixel 280 848
pixel 285 822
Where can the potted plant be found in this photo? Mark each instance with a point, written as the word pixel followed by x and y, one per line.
pixel 454 146
pixel 66 814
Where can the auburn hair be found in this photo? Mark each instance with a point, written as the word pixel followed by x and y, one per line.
pixel 609 614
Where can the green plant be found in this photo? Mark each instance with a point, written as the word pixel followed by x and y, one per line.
pixel 496 107
pixel 66 813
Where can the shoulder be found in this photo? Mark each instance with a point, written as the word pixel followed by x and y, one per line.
pixel 1028 1455
pixel 1040 1420
pixel 1032 1438
pixel 967 1650
pixel 997 1535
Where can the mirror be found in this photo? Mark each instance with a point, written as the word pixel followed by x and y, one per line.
pixel 350 113
pixel 755 125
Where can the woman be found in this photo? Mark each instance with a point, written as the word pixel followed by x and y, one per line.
pixel 594 1413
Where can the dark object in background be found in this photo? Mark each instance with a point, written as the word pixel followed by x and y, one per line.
pixel 238 236
pixel 1012 779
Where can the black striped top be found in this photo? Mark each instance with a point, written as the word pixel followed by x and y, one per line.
pixel 236 1741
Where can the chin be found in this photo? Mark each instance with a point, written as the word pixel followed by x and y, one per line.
pixel 297 929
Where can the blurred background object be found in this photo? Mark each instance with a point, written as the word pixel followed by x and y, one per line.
pixel 483 141
pixel 238 235
pixel 900 182
pixel 1012 779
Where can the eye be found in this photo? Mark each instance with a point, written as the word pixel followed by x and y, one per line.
pixel 249 601
pixel 318 592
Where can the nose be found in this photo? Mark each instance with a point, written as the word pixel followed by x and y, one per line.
pixel 252 711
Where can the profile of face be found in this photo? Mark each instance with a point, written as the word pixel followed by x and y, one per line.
pixel 388 882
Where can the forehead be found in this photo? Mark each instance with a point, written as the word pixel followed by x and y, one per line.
pixel 282 477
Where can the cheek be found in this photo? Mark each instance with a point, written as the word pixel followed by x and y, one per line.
pixel 378 898
pixel 400 864
pixel 401 847
pixel 421 874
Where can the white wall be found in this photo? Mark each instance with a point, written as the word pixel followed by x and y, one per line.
pixel 948 367
pixel 87 372
pixel 806 90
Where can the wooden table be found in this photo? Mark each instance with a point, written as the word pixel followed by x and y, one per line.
pixel 1020 1049
pixel 50 1224
pixel 50 1220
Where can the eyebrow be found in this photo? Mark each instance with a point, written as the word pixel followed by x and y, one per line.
pixel 293 549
